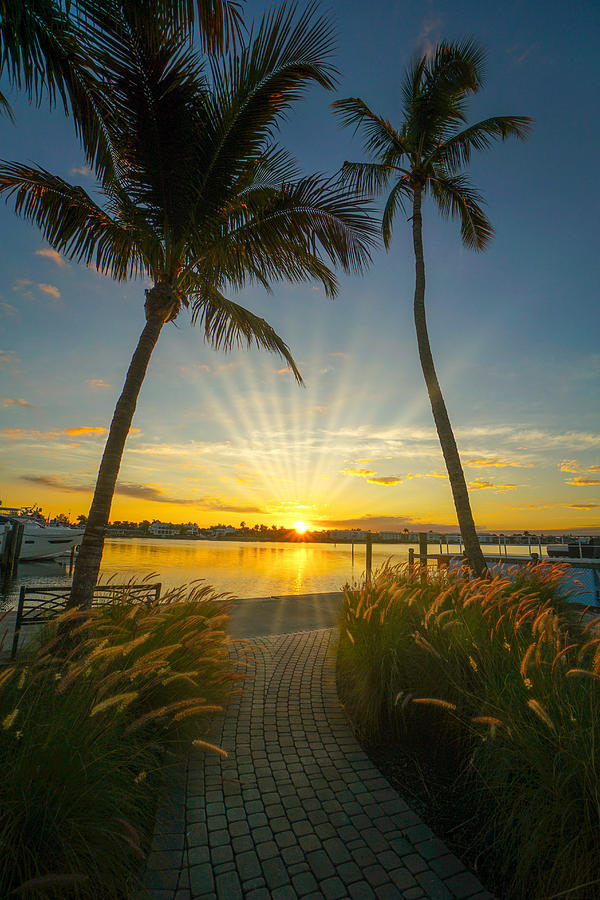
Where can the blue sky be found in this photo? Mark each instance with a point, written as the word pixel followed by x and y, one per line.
pixel 514 331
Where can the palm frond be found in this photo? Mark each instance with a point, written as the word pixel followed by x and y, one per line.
pixel 401 192
pixel 254 89
pixel 456 197
pixel 227 324
pixel 71 221
pixel 6 108
pixel 379 137
pixel 455 152
pixel 367 179
pixel 311 219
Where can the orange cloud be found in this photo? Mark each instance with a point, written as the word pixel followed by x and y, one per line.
pixel 496 462
pixel 483 485
pixel 385 479
pixel 49 289
pixel 569 465
pixel 359 473
pixel 55 256
pixel 582 481
pixel 84 429
pixel 584 505
pixel 8 401
pixel 98 383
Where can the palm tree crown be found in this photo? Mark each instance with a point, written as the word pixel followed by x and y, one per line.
pixel 425 156
pixel 197 195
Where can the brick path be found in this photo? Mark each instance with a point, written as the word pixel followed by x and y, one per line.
pixel 297 810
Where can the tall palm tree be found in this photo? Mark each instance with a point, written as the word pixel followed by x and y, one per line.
pixel 198 197
pixel 43 43
pixel 426 156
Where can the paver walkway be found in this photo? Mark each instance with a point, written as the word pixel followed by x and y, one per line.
pixel 297 810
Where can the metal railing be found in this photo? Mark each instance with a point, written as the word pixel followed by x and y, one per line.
pixel 40 605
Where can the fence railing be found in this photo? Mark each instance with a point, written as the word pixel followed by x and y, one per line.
pixel 40 605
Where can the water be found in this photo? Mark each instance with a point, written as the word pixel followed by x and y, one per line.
pixel 243 568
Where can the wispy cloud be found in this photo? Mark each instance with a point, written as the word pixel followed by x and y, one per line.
pixel 8 358
pixel 55 256
pixel 496 462
pixel 359 473
pixel 582 481
pixel 480 484
pixel 7 309
pixel 285 371
pixel 584 505
pixel 76 431
pixel 569 465
pixel 80 170
pixel 8 401
pixel 429 34
pixel 385 479
pixel 126 489
pixel 49 289
pixel 98 384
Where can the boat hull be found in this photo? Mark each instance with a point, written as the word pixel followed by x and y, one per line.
pixel 49 542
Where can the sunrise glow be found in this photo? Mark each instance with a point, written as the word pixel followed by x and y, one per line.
pixel 301 527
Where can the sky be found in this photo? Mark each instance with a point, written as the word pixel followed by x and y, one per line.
pixel 228 438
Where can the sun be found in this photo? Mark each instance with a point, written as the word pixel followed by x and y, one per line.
pixel 301 527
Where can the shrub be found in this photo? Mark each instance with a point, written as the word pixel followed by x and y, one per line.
pixel 83 736
pixel 498 682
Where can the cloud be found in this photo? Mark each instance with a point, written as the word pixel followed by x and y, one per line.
pixel 285 371
pixel 49 289
pixel 139 491
pixel 98 384
pixel 359 473
pixel 6 309
pixel 339 355
pixel 593 468
pixel 483 485
pixel 584 505
pixel 376 522
pixel 84 429
pixel 149 492
pixel 582 481
pixel 8 401
pixel 81 430
pixel 80 170
pixel 496 462
pixel 569 465
pixel 58 483
pixel 385 479
pixel 55 256
pixel 429 34
pixel 8 358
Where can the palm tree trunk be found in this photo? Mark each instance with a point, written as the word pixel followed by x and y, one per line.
pixel 462 504
pixel 88 562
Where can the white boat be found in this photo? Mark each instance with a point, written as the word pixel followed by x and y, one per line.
pixel 40 540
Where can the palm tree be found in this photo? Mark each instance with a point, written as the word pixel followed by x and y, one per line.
pixel 44 48
pixel 197 197
pixel 426 155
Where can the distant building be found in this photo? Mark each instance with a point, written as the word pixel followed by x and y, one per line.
pixel 162 529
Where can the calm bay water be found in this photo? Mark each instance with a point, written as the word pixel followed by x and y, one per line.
pixel 243 568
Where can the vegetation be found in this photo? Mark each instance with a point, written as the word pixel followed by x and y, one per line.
pixel 197 196
pixel 426 155
pixel 494 686
pixel 83 739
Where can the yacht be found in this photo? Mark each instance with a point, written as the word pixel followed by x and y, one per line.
pixel 40 540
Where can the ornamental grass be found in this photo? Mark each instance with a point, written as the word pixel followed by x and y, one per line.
pixel 495 684
pixel 86 733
